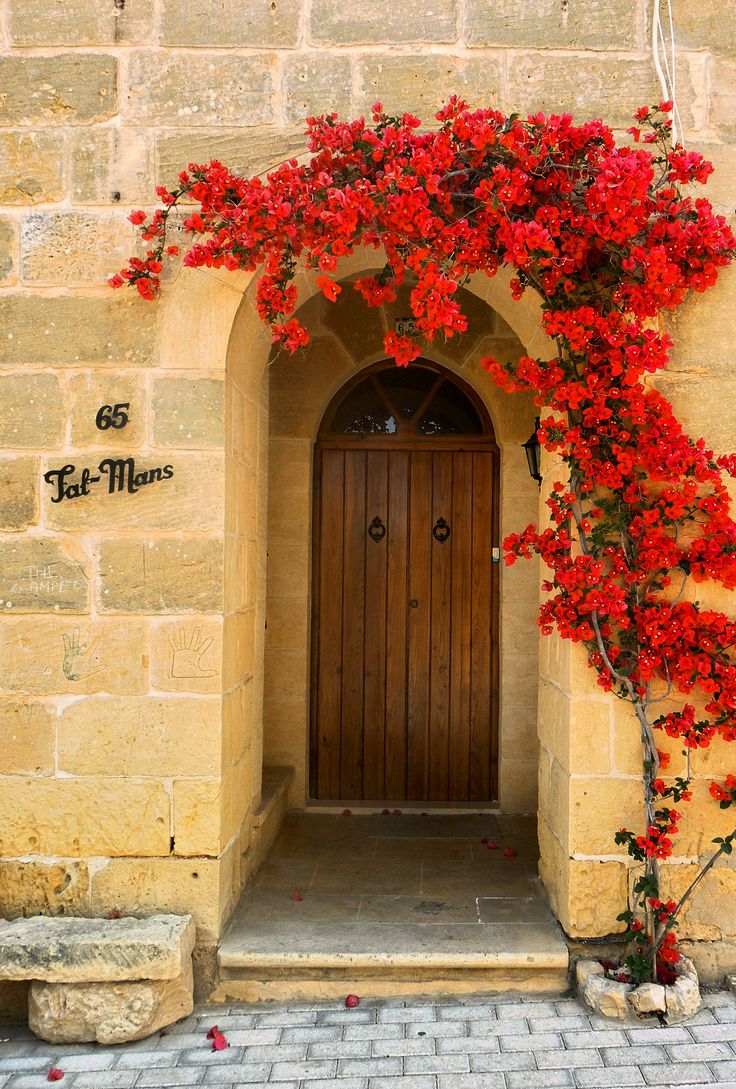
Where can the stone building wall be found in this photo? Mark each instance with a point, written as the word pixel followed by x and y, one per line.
pixel 132 638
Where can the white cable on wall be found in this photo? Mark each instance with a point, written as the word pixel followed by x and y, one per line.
pixel 665 66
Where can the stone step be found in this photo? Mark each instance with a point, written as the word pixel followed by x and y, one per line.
pixel 383 960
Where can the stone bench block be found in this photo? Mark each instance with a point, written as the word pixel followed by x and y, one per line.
pixel 108 1013
pixel 72 950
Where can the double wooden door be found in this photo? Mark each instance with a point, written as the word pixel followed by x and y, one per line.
pixel 404 675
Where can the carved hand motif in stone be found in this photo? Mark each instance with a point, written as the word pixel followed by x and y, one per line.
pixel 80 659
pixel 187 654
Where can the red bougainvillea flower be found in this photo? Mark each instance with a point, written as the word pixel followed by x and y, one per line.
pixel 55 1074
pixel 352 1001
pixel 297 897
pixel 492 845
pixel 347 812
pixel 219 1043
pixel 509 852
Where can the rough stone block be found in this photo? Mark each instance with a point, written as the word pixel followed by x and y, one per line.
pixel 698 403
pixel 110 331
pixel 43 888
pixel 246 151
pixel 231 23
pixel 73 248
pixel 198 90
pixel 683 997
pixel 160 491
pixel 77 22
pixel 584 969
pixel 710 914
pixel 383 21
pixel 188 412
pixel 112 166
pixel 18 493
pixel 134 736
pixel 598 808
pixel 67 89
pixel 597 893
pixel 92 390
pixel 705 25
pixel 31 167
pixel 547 24
pixel 9 252
pixel 108 1013
pixel 723 95
pixel 40 575
pixel 186 655
pixel 607 997
pixel 648 998
pixel 590 740
pixel 316 84
pixel 197 817
pixel 605 87
pixel 27 740
pixel 420 84
pixel 32 411
pixel 54 656
pixel 74 950
pixel 160 576
pixel 161 884
pixel 76 818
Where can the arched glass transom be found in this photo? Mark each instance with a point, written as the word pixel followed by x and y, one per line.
pixel 422 400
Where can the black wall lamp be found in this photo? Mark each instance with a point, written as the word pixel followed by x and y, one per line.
pixel 533 451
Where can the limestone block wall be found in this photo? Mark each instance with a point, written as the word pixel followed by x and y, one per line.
pixel 129 765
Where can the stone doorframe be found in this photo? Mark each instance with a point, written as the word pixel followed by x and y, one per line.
pixel 213 312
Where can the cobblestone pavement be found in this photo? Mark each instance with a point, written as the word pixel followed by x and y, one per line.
pixel 506 1043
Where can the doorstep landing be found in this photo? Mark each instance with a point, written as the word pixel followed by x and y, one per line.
pixel 342 903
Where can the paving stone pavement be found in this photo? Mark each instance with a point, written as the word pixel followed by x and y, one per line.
pixel 469 1043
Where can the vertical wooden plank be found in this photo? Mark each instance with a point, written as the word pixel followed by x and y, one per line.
pixel 440 629
pixel 376 570
pixel 353 626
pixel 462 553
pixel 328 642
pixel 480 658
pixel 397 598
pixel 419 614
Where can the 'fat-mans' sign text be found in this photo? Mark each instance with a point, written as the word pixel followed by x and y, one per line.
pixel 120 474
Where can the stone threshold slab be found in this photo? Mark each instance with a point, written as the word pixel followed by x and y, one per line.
pixel 462 946
pixel 77 950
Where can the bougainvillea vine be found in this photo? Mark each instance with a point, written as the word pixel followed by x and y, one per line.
pixel 608 239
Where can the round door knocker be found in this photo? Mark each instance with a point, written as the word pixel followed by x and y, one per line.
pixel 440 530
pixel 376 530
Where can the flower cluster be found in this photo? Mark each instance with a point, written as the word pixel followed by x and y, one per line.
pixel 609 240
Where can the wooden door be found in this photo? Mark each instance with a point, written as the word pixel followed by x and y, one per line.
pixel 404 676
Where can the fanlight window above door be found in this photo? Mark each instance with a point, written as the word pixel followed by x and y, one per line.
pixel 419 400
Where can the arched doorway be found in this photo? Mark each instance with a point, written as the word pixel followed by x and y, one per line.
pixel 404 676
